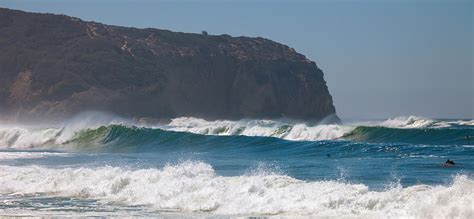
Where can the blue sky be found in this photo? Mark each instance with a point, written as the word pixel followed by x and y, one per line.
pixel 380 58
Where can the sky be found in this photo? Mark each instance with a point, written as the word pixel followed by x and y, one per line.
pixel 380 58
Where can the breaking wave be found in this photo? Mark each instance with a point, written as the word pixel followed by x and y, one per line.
pixel 194 187
pixel 266 128
pixel 101 130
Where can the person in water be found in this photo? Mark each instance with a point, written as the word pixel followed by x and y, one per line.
pixel 449 162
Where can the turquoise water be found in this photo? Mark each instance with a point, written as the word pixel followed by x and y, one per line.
pixel 192 167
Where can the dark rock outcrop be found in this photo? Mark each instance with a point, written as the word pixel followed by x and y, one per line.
pixel 56 65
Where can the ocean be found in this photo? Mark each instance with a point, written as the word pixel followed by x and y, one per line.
pixel 100 165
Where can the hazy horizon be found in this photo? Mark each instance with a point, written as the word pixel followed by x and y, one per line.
pixel 380 59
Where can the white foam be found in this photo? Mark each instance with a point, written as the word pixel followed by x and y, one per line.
pixel 268 128
pixel 21 136
pixel 410 122
pixel 24 137
pixel 405 122
pixel 29 155
pixel 320 132
pixel 195 187
pixel 294 130
pixel 463 122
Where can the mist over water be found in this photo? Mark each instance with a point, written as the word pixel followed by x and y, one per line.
pixel 96 164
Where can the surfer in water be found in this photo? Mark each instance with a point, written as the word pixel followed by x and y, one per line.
pixel 448 163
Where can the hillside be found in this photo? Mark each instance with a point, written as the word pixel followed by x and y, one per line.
pixel 55 66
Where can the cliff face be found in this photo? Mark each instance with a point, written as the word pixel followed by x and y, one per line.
pixel 55 65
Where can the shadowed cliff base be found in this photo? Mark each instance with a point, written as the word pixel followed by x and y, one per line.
pixel 56 66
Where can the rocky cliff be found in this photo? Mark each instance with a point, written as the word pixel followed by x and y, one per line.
pixel 56 65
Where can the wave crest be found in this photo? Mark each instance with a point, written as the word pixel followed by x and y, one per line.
pixel 96 129
pixel 264 128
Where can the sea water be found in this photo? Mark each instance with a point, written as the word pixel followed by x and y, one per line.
pixel 98 165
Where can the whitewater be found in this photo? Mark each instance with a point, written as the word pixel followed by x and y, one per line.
pixel 101 165
pixel 25 136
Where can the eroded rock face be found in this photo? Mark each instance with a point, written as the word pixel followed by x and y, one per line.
pixel 55 66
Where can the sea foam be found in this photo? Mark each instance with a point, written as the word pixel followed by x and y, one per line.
pixel 22 136
pixel 194 187
pixel 267 128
